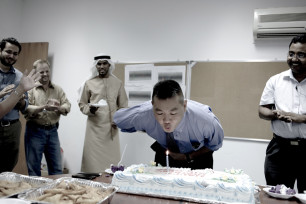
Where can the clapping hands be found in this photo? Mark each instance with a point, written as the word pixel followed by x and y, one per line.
pixel 52 105
pixel 288 117
pixel 6 90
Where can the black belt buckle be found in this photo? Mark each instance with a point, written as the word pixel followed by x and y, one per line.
pixel 5 123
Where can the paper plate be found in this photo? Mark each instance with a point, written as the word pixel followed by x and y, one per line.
pixel 97 105
pixel 277 195
pixel 101 103
pixel 109 171
pixel 301 197
pixel 13 201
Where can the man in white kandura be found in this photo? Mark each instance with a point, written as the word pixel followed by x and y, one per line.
pixel 100 97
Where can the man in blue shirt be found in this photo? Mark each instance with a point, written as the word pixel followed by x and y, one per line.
pixel 187 129
pixel 10 126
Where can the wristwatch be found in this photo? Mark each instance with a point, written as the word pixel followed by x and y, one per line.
pixel 188 158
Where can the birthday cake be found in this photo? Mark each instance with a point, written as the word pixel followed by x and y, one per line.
pixel 205 186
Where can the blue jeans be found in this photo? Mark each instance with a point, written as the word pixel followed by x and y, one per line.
pixel 39 141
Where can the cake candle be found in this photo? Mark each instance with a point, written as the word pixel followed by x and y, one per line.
pixel 167 160
pixel 122 155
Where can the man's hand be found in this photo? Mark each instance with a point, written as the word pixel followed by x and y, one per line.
pixel 192 155
pixel 8 89
pixel 27 82
pixel 298 118
pixel 114 125
pixel 53 102
pixel 177 156
pixel 282 115
pixel 289 117
pixel 21 103
pixel 93 109
pixel 54 105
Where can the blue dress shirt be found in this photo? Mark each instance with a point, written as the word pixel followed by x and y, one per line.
pixel 13 76
pixel 199 127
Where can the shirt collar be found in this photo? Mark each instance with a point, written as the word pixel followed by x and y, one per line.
pixel 51 85
pixel 11 70
pixel 180 126
pixel 288 75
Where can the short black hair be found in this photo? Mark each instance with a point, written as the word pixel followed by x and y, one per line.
pixel 298 39
pixel 10 40
pixel 167 89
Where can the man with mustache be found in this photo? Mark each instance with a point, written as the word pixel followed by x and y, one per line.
pixel 187 129
pixel 10 126
pixel 99 98
pixel 283 101
pixel 46 104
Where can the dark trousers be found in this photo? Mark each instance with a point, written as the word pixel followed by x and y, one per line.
pixel 9 146
pixel 286 162
pixel 203 162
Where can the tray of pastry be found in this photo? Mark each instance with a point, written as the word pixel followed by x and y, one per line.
pixel 13 184
pixel 73 190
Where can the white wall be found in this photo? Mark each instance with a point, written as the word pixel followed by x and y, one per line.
pixel 10 18
pixel 142 31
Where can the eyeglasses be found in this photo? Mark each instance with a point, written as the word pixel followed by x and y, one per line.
pixel 299 55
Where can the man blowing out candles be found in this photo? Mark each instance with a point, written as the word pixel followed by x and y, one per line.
pixel 188 129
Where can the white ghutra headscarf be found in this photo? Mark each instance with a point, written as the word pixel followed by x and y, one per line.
pixel 94 71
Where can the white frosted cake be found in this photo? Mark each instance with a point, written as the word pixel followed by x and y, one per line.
pixel 209 186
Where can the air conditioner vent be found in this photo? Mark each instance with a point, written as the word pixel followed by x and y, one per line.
pixel 282 17
pixel 279 22
pixel 279 35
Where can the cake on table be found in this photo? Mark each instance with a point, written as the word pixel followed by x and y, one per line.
pixel 205 186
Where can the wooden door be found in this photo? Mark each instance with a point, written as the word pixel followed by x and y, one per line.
pixel 30 53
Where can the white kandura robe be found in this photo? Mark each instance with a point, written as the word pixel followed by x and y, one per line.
pixel 101 145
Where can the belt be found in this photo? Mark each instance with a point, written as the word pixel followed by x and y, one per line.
pixel 7 123
pixel 45 127
pixel 293 141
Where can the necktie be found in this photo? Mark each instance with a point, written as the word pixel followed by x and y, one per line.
pixel 171 144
